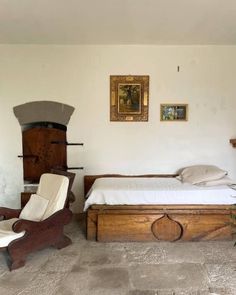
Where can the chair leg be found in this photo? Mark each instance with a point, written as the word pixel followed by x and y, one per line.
pixel 17 258
pixel 63 242
pixel 15 264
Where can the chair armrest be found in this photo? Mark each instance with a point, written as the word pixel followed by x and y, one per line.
pixel 8 213
pixel 59 218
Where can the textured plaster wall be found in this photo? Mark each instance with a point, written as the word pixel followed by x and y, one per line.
pixel 79 76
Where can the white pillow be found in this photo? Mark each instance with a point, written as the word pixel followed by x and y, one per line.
pixel 222 181
pixel 201 173
pixel 34 208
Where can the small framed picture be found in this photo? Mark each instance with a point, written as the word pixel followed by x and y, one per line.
pixel 174 112
pixel 129 98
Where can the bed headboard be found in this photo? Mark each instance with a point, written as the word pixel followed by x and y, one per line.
pixel 89 179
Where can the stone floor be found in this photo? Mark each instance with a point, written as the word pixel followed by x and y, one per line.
pixel 85 268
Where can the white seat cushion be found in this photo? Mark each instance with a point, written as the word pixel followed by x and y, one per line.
pixel 35 208
pixel 6 233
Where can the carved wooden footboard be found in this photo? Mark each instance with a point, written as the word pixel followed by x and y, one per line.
pixel 158 222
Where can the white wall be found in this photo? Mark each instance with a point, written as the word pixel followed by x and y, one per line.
pixel 79 76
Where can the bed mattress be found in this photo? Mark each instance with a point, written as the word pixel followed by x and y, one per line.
pixel 156 191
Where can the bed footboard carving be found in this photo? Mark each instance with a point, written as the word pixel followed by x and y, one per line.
pixel 167 229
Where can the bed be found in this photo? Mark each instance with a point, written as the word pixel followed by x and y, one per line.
pixel 174 216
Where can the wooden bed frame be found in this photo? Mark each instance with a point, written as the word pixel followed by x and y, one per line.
pixel 107 223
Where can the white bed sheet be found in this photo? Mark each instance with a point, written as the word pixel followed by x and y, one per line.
pixel 156 191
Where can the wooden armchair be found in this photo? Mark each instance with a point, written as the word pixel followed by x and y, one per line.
pixel 39 224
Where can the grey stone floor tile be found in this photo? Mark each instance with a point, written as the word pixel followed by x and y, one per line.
pixel 16 281
pixel 76 282
pixel 99 256
pixel 179 252
pixel 143 292
pixel 43 284
pixel 144 253
pixel 187 292
pixel 232 290
pixel 108 292
pixel 108 278
pixel 217 251
pixel 8 291
pixel 168 276
pixel 76 248
pixel 181 292
pixel 37 260
pixel 222 291
pixel 59 263
pixel 170 292
pixel 222 275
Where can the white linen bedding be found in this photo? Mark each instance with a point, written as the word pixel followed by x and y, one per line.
pixel 156 191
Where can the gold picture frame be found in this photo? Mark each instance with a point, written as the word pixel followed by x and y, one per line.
pixel 174 112
pixel 129 97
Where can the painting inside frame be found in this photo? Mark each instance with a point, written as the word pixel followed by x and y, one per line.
pixel 129 98
pixel 174 112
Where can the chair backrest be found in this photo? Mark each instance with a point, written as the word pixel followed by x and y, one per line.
pixel 71 177
pixel 54 188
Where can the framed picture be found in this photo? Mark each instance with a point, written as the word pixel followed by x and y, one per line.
pixel 129 98
pixel 174 112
